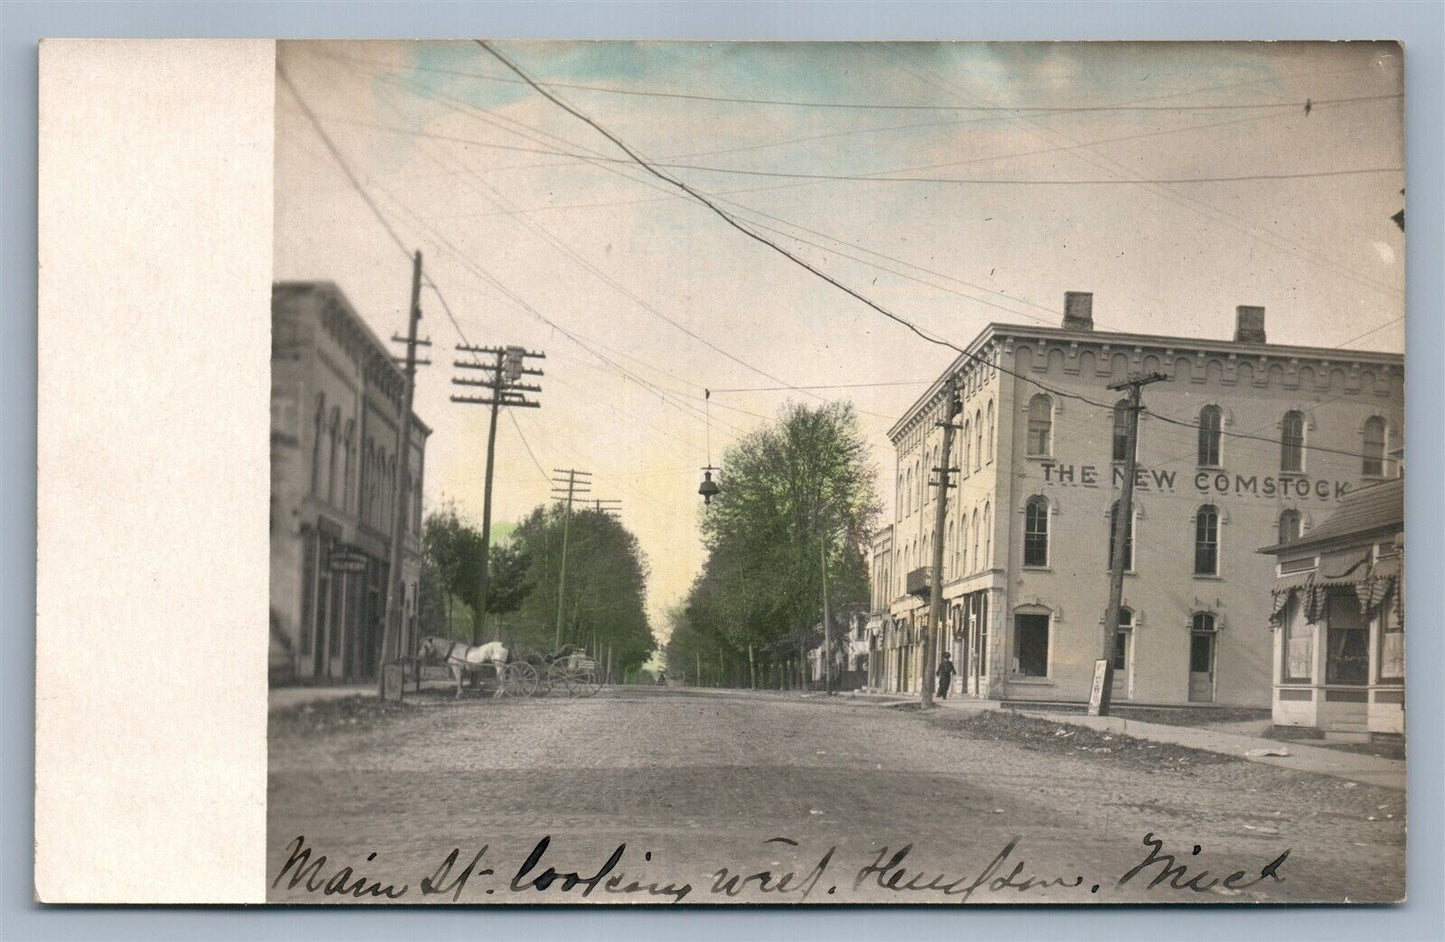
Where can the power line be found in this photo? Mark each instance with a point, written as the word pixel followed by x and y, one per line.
pixel 882 106
pixel 731 221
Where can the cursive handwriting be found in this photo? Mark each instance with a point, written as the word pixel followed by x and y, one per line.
pixel 344 882
pixel 767 881
pixel 892 875
pixel 1175 875
pixel 570 880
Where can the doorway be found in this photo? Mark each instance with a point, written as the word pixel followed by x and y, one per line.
pixel 1123 685
pixel 1201 666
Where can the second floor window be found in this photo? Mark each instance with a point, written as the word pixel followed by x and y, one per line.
pixel 1041 425
pixel 1374 447
pixel 1121 430
pixel 1209 423
pixel 1292 442
pixel 1036 532
pixel 1128 539
pixel 1206 541
pixel 1289 526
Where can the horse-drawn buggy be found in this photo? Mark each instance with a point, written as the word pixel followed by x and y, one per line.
pixel 570 670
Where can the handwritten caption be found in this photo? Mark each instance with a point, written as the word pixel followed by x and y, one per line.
pixel 458 878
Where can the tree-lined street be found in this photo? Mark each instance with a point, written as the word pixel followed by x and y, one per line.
pixel 748 783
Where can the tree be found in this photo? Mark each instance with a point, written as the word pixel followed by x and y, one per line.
pixel 796 495
pixel 452 551
pixel 603 601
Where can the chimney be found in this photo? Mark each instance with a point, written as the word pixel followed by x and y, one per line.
pixel 1248 324
pixel 1078 310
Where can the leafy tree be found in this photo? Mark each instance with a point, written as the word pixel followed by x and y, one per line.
pixel 797 500
pixel 603 600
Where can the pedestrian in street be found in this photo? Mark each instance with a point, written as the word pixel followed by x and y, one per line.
pixel 945 676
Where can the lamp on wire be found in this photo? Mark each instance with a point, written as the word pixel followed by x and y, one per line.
pixel 708 488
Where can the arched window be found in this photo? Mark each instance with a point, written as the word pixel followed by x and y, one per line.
pixel 1206 541
pixel 1292 442
pixel 349 446
pixel 989 414
pixel 967 439
pixel 1289 526
pixel 319 434
pixel 987 561
pixel 333 436
pixel 977 439
pixel 1121 430
pixel 908 492
pixel 1374 447
pixel 964 559
pixel 977 560
pixel 952 550
pixel 1128 538
pixel 1041 425
pixel 1209 422
pixel 1036 532
pixel 1202 621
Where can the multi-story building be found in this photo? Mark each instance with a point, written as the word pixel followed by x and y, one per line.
pixel 336 408
pixel 1244 444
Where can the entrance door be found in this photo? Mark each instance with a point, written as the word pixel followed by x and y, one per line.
pixel 1123 660
pixel 1201 667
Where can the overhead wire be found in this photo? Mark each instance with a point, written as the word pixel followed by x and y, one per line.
pixel 734 223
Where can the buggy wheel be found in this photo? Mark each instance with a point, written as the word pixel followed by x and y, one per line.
pixel 584 682
pixel 518 680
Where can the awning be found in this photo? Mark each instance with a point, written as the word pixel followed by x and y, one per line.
pixel 1284 589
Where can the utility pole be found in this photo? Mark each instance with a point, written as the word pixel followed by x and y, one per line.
pixel 506 369
pixel 391 631
pixel 935 589
pixel 612 507
pixel 577 483
pixel 1135 385
pixel 827 623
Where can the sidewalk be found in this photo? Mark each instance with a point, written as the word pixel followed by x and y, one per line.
pixel 281 698
pixel 1353 767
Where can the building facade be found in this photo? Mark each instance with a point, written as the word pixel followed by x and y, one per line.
pixel 336 407
pixel 1242 442
pixel 1339 619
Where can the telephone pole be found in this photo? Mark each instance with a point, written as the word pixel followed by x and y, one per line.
pixel 507 368
pixel 935 589
pixel 1122 525
pixel 827 622
pixel 577 483
pixel 392 631
pixel 611 506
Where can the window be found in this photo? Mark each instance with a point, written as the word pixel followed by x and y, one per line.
pixel 977 560
pixel 978 439
pixel 1206 541
pixel 987 561
pixel 346 474
pixel 1292 442
pixel 1392 641
pixel 1299 648
pixel 967 439
pixel 1202 621
pixel 1036 532
pixel 1374 447
pixel 319 433
pixel 1289 526
pixel 1209 422
pixel 1031 645
pixel 1121 430
pixel 1041 425
pixel 989 459
pixel 1128 538
pixel 333 439
pixel 1347 657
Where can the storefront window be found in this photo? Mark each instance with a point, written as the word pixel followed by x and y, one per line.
pixel 1392 642
pixel 1348 655
pixel 1299 649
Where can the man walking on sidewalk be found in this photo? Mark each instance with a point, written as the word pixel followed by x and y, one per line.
pixel 945 676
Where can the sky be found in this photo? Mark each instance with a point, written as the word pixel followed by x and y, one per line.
pixel 979 182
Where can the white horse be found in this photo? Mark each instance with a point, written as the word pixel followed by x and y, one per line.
pixel 462 659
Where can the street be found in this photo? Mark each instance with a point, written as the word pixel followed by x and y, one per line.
pixel 734 797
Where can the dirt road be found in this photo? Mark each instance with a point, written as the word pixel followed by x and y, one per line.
pixel 727 798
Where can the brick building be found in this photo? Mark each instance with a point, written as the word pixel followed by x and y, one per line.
pixel 336 406
pixel 1269 440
